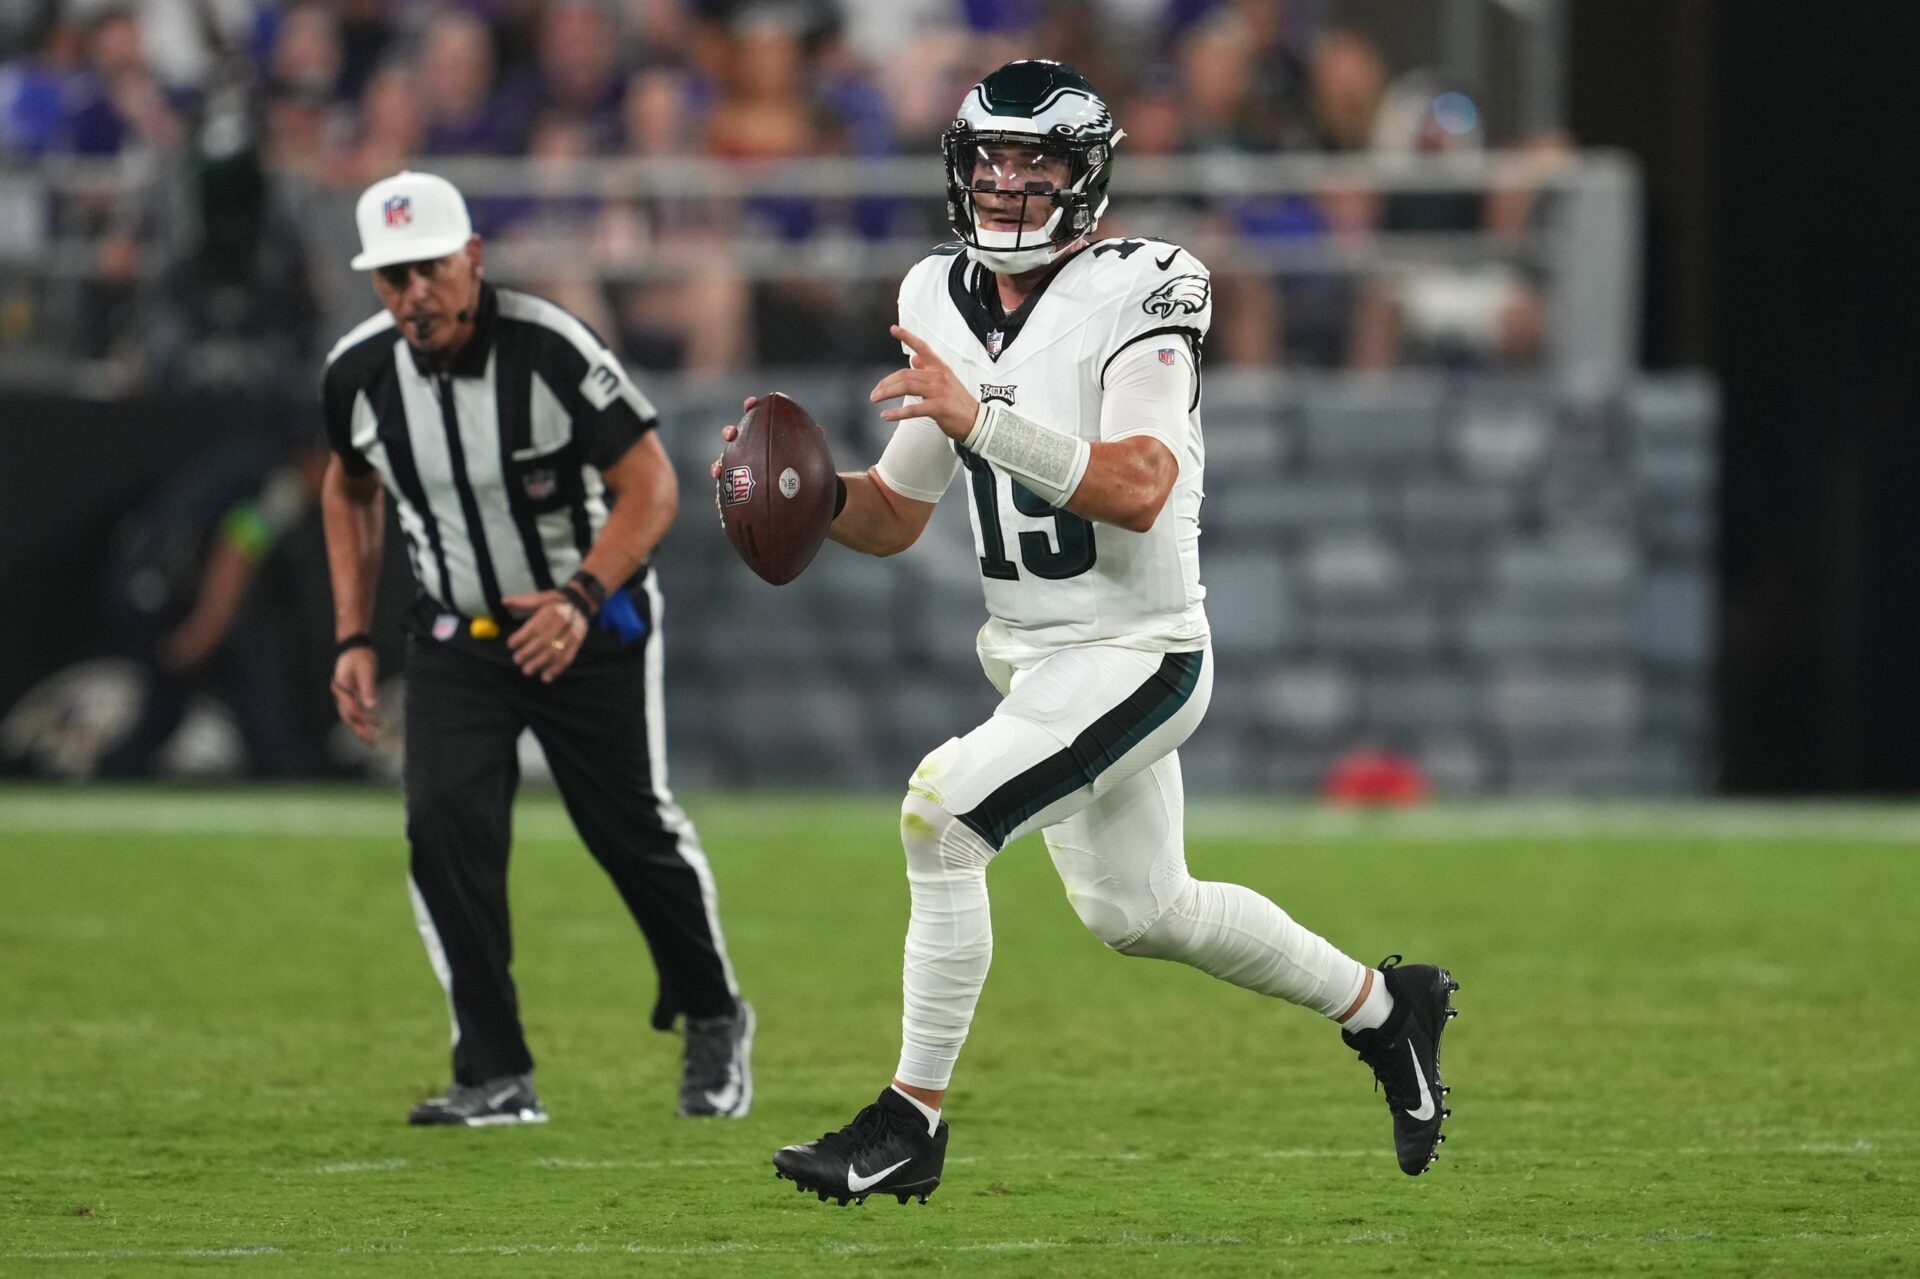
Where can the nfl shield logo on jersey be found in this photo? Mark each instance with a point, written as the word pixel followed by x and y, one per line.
pixel 736 485
pixel 398 210
pixel 539 484
pixel 996 340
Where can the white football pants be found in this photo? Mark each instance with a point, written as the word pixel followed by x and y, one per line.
pixel 1083 749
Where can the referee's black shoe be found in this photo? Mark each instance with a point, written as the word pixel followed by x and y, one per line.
pixel 886 1150
pixel 717 1078
pixel 506 1100
pixel 1405 1057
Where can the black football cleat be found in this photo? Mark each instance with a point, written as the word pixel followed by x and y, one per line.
pixel 884 1151
pixel 506 1100
pixel 717 1078
pixel 1405 1057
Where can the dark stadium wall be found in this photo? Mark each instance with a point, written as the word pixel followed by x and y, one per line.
pixel 1785 254
pixel 71 472
pixel 73 469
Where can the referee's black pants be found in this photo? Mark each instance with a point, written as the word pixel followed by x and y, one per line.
pixel 466 706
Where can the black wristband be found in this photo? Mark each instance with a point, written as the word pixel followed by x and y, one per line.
pixel 581 601
pixel 595 589
pixel 839 496
pixel 359 639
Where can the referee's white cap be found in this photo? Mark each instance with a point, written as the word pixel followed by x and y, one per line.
pixel 410 217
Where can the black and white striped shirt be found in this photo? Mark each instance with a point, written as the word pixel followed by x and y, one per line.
pixel 494 462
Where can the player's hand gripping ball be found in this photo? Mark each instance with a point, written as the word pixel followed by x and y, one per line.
pixel 775 487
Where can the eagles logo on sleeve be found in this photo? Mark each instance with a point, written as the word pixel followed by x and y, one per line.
pixel 1182 295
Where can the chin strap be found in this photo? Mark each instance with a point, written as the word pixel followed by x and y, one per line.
pixel 1013 261
pixel 1050 463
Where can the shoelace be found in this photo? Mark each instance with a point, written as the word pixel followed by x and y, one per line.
pixel 1391 961
pixel 884 1128
pixel 870 1130
pixel 1379 1082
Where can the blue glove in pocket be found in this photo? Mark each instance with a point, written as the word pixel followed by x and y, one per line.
pixel 620 616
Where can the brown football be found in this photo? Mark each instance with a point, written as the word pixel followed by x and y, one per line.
pixel 776 489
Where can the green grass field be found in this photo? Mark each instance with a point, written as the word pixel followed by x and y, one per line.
pixel 1688 1044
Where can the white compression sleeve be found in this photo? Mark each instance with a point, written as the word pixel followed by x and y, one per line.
pixel 1051 463
pixel 949 940
pixel 1149 391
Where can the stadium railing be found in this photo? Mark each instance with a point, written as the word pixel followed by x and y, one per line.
pixel 862 222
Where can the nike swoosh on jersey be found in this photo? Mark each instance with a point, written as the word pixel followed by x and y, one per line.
pixel 856 1183
pixel 1164 263
pixel 1424 1110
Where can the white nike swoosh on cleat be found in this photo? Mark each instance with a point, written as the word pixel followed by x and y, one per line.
pixel 1425 1110
pixel 727 1098
pixel 856 1183
pixel 493 1102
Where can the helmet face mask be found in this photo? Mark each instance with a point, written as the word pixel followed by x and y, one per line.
pixel 1031 136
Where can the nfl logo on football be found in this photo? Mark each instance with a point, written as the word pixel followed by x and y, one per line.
pixel 736 486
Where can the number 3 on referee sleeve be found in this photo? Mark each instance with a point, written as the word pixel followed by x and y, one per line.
pixel 601 386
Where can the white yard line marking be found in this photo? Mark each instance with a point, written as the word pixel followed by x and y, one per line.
pixel 142 1254
pixel 725 1247
pixel 383 1165
pixel 716 1248
pixel 378 814
pixel 1841 1149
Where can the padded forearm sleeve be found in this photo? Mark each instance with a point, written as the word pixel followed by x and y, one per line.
pixel 1051 463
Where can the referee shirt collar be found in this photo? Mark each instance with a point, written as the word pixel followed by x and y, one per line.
pixel 471 361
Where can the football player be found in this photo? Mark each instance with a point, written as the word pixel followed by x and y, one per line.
pixel 1062 372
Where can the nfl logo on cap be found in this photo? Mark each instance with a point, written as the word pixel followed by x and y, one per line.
pixel 410 217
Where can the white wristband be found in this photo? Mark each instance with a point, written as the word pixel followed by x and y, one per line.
pixel 1050 463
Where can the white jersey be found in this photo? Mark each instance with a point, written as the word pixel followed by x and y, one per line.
pixel 1054 580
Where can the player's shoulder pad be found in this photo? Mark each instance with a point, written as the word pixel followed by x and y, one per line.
pixel 927 278
pixel 938 262
pixel 1164 276
pixel 1143 256
pixel 1156 285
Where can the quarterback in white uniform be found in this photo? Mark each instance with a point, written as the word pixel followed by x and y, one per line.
pixel 1061 373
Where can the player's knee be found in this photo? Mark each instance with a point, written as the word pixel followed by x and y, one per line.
pixel 1109 920
pixel 936 840
pixel 1160 932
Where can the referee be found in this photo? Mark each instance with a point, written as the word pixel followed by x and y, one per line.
pixel 531 490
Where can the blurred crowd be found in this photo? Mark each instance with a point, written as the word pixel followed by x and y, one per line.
pixel 260 120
